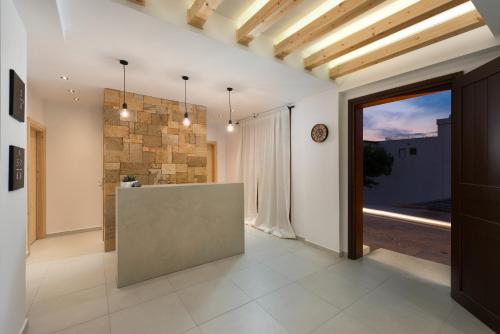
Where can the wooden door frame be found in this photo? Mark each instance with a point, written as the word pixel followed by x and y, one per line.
pixel 214 171
pixel 41 230
pixel 355 146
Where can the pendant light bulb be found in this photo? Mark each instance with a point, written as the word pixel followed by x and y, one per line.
pixel 186 121
pixel 124 113
pixel 230 125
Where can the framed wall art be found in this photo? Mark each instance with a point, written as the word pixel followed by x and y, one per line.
pixel 17 96
pixel 16 168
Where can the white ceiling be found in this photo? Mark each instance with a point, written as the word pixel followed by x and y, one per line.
pixel 232 9
pixel 490 11
pixel 85 39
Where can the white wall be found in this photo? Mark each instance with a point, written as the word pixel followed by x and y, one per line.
pixel 217 132
pixel 74 167
pixel 232 146
pixel 12 204
pixel 36 108
pixel 315 171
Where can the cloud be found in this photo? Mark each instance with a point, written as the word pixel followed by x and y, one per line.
pixel 406 117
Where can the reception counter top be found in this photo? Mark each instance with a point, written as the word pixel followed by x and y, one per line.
pixel 166 228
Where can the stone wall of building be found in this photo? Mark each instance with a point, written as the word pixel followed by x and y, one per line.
pixel 152 145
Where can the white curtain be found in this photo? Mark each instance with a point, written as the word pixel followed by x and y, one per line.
pixel 264 168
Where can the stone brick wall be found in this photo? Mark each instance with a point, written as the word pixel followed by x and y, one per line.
pixel 152 145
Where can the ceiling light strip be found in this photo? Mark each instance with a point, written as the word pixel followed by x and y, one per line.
pixel 404 18
pixel 412 30
pixel 312 16
pixel 328 21
pixel 395 47
pixel 249 12
pixel 263 19
pixel 388 8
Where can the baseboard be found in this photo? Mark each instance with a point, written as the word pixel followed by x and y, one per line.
pixel 24 329
pixel 58 234
pixel 312 244
pixel 299 238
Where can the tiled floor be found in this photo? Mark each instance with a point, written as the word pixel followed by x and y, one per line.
pixel 278 286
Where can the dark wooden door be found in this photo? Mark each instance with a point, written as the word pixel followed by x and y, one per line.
pixel 476 193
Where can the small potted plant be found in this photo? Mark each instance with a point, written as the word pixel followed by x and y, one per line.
pixel 128 181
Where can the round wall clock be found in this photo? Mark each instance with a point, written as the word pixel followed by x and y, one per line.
pixel 319 133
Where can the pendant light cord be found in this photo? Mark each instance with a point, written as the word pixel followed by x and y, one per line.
pixel 185 98
pixel 230 109
pixel 124 101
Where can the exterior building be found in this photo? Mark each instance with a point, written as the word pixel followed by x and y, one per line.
pixel 421 170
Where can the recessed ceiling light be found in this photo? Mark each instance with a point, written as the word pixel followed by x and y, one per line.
pixel 63 77
pixel 76 99
pixel 71 91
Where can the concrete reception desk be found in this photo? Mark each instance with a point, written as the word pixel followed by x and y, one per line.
pixel 166 228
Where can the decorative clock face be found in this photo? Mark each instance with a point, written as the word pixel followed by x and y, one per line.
pixel 319 133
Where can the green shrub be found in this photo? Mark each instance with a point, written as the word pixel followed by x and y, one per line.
pixel 129 178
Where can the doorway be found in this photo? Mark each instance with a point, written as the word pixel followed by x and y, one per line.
pixel 36 228
pixel 212 162
pixel 407 176
pixel 356 147
pixel 475 183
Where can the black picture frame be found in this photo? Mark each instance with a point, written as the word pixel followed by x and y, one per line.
pixel 16 168
pixel 17 96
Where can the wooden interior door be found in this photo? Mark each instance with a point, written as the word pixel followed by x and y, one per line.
pixel 211 162
pixel 32 185
pixel 476 194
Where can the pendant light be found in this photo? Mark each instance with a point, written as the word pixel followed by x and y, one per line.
pixel 124 110
pixel 230 126
pixel 186 121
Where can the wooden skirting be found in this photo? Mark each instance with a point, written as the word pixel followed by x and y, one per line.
pixel 83 230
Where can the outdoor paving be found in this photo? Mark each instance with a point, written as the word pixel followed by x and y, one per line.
pixel 425 242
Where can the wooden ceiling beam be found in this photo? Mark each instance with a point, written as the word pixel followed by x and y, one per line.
pixel 409 16
pixel 453 27
pixel 268 15
pixel 332 19
pixel 200 11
